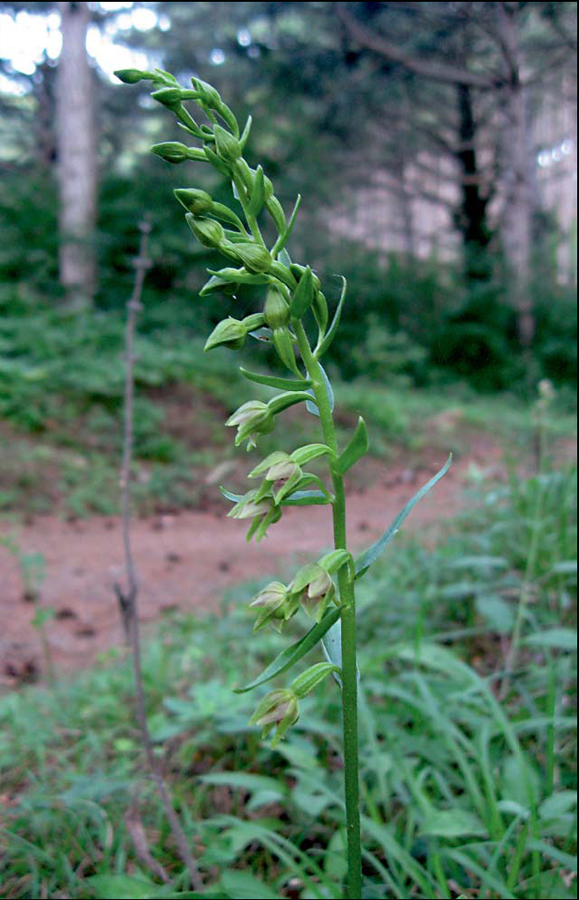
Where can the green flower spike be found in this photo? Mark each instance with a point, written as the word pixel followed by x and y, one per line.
pixel 279 710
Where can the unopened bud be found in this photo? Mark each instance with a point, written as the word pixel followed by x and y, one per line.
pixel 194 200
pixel 228 147
pixel 172 151
pixel 254 258
pixel 207 93
pixel 276 309
pixel 169 96
pixel 132 76
pixel 208 232
pixel 229 333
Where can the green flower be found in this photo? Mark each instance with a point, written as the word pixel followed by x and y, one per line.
pixel 279 710
pixel 252 419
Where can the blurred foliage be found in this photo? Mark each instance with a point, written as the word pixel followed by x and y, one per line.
pixel 462 791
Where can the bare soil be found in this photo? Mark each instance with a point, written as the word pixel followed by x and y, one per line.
pixel 188 560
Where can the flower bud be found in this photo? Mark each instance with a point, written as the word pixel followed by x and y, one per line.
pixel 172 151
pixel 276 309
pixel 284 345
pixel 207 93
pixel 132 76
pixel 208 232
pixel 252 419
pixel 278 708
pixel 229 333
pixel 169 96
pixel 228 147
pixel 275 210
pixel 194 200
pixel 254 258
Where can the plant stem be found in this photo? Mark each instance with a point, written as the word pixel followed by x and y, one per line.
pixel 349 665
pixel 128 599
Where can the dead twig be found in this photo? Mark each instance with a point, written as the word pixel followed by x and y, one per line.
pixel 128 598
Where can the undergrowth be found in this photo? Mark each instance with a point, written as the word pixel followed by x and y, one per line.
pixel 61 384
pixel 469 776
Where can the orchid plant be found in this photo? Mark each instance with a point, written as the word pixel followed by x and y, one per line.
pixel 293 298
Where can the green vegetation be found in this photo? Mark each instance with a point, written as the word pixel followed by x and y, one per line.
pixel 61 383
pixel 468 779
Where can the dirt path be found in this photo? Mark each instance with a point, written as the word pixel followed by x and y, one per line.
pixel 185 561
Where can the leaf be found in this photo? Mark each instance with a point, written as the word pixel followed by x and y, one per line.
pixel 306 498
pixel 303 295
pixel 558 805
pixel 238 276
pixel 283 384
pixel 255 205
pixel 554 639
pixel 284 238
pixel 497 612
pixel 123 887
pixel 312 407
pixel 370 556
pixel 291 655
pixel 328 340
pixel 452 823
pixel 355 450
pixel 247 781
pixel 243 886
pixel 235 498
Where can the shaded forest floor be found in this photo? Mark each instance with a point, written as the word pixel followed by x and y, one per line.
pixel 189 559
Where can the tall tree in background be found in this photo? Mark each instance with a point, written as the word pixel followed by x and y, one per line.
pixel 507 48
pixel 76 157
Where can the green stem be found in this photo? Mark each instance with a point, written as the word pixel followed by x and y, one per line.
pixel 349 665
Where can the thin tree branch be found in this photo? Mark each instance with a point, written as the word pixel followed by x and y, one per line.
pixel 128 599
pixel 438 71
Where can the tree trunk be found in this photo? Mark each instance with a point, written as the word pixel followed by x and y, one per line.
pixel 77 162
pixel 471 217
pixel 518 215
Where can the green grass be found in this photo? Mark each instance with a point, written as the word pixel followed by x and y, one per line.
pixel 468 779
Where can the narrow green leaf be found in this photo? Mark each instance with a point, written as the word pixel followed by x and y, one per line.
pixel 291 655
pixel 239 276
pixel 306 498
pixel 123 887
pixel 303 295
pixel 244 886
pixel 356 449
pixel 452 823
pixel 283 384
pixel 285 236
pixel 245 133
pixel 235 498
pixel 328 340
pixel 370 556
pixel 554 638
pixel 255 205
pixel 284 401
pixel 284 258
pixel 312 406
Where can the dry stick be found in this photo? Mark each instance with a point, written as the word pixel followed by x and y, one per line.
pixel 128 599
